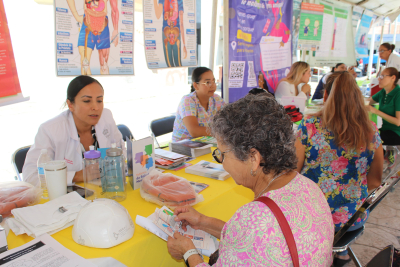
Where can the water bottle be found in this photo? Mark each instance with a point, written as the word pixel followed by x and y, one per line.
pixel 93 175
pixel 43 159
pixel 114 164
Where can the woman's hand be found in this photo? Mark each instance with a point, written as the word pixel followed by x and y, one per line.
pixel 179 245
pixel 189 216
pixel 306 88
pixel 78 178
pixel 372 109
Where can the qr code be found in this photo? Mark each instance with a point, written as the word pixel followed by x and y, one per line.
pixel 237 70
pixel 252 75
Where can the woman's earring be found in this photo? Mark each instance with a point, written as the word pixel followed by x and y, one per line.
pixel 253 173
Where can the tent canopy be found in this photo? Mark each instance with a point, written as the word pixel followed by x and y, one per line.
pixel 379 7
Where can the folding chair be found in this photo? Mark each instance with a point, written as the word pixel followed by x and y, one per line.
pixel 343 239
pixel 126 133
pixel 161 126
pixel 18 161
pixel 384 258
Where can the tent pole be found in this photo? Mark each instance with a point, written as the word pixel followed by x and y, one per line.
pixel 371 53
pixel 378 64
pixel 226 52
pixel 213 31
pixel 395 32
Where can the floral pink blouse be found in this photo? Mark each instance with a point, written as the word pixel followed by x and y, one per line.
pixel 253 237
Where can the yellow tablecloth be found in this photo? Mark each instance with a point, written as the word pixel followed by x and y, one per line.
pixel 221 200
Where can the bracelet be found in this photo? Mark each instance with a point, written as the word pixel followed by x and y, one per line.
pixel 190 253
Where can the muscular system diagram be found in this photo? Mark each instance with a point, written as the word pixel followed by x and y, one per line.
pixel 94 32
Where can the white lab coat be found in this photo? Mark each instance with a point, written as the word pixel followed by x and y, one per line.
pixel 394 61
pixel 60 137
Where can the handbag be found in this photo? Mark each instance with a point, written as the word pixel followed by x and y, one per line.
pixel 283 223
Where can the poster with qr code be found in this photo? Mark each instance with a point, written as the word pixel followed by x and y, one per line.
pixel 251 78
pixel 250 22
pixel 236 74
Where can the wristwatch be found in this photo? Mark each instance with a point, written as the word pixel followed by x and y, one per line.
pixel 190 253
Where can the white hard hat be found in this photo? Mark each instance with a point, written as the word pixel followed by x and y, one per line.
pixel 103 223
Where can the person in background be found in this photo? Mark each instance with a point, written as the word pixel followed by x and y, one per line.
pixel 296 82
pixel 319 91
pixel 256 146
pixel 196 110
pixel 69 135
pixel 340 149
pixel 387 52
pixel 389 108
pixel 262 83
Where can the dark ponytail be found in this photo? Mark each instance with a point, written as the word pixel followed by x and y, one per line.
pixel 389 46
pixel 337 65
pixel 196 75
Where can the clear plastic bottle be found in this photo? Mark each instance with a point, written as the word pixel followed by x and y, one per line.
pixel 43 159
pixel 93 174
pixel 114 164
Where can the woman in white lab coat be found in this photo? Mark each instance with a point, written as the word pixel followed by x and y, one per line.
pixel 68 135
pixel 296 82
pixel 386 52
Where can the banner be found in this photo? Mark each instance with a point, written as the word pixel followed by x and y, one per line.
pixel 170 33
pixel 296 26
pixel 94 37
pixel 357 13
pixel 361 41
pixel 10 89
pixel 336 44
pixel 260 44
pixel 311 23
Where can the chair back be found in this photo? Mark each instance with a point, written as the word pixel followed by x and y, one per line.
pixel 126 133
pixel 18 160
pixel 162 126
pixel 384 258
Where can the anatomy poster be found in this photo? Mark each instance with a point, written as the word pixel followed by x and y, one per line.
pixel 260 44
pixel 9 83
pixel 170 33
pixel 94 37
pixel 337 36
pixel 311 23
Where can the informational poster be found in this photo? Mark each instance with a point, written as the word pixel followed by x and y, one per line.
pixel 170 33
pixel 94 37
pixel 260 44
pixel 361 41
pixel 357 13
pixel 311 23
pixel 9 83
pixel 337 44
pixel 296 25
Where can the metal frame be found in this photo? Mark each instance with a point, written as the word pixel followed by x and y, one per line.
pixel 18 176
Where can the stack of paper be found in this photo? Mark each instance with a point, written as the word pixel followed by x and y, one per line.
pixel 162 224
pixel 190 148
pixel 208 169
pixel 206 140
pixel 170 161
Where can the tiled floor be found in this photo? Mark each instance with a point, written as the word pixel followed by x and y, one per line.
pixel 381 229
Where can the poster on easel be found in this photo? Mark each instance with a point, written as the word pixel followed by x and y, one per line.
pixel 361 38
pixel 260 45
pixel 311 23
pixel 94 37
pixel 10 89
pixel 337 44
pixel 170 38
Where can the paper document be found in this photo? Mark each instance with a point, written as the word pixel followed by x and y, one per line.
pixel 42 251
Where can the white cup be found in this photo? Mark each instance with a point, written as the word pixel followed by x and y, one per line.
pixel 56 178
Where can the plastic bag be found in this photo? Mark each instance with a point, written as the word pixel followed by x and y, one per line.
pixel 166 189
pixel 17 194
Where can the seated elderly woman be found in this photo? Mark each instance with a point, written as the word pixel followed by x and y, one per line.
pixel 339 149
pixel 256 146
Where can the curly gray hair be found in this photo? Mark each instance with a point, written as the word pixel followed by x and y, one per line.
pixel 259 122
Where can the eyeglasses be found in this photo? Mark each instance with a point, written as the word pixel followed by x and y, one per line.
pixel 209 84
pixel 219 155
pixel 381 51
pixel 383 76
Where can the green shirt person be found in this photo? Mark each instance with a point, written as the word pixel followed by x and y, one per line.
pixel 389 106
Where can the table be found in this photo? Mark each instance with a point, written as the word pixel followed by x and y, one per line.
pixel 221 200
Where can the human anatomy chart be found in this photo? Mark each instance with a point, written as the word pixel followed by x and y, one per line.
pixel 170 33
pixel 94 37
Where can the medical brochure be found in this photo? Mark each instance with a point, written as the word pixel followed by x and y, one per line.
pixel 162 223
pixel 208 169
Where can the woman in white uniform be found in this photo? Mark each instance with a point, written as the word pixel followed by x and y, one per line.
pixel 68 135
pixel 296 82
pixel 386 52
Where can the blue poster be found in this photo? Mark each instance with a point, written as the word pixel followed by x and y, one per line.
pixel 260 44
pixel 362 34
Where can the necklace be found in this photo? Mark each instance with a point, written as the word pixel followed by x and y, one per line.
pixel 273 179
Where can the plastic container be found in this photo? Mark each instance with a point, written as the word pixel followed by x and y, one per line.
pixel 114 164
pixel 93 175
pixel 43 159
pixel 56 178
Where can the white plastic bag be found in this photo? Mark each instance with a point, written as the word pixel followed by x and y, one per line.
pixel 166 189
pixel 17 194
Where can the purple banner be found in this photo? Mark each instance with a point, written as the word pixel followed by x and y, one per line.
pixel 260 45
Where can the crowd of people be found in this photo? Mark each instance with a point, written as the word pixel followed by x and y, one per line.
pixel 318 176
